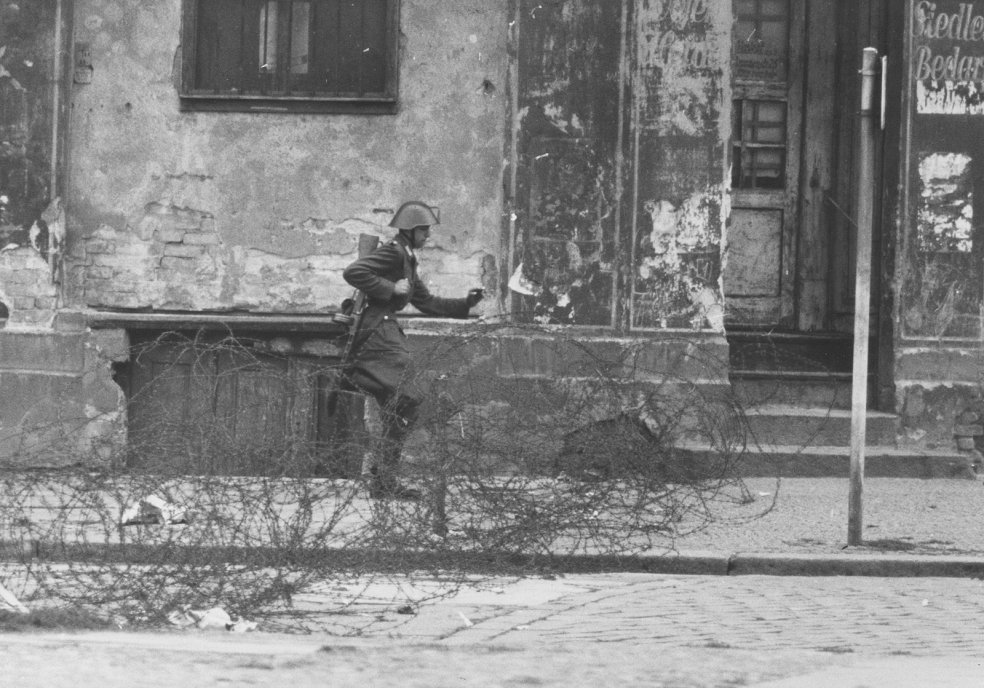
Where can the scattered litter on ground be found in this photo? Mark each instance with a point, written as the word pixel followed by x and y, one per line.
pixel 243 626
pixel 216 617
pixel 468 622
pixel 154 510
pixel 9 600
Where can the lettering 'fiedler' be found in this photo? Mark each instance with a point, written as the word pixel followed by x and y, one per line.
pixel 963 25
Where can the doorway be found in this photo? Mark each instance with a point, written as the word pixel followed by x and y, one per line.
pixel 790 255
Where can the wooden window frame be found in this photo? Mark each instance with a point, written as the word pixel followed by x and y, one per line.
pixel 748 147
pixel 194 98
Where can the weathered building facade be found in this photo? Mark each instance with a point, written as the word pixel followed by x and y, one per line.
pixel 660 173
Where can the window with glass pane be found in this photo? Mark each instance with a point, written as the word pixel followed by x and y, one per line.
pixel 759 145
pixel 308 55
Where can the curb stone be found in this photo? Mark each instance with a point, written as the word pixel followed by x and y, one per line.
pixel 888 566
pixel 677 562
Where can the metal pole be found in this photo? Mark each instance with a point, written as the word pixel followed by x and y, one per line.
pixel 862 291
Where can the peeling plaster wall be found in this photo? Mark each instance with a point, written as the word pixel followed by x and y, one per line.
pixel 566 160
pixel 681 124
pixel 212 211
pixel 620 185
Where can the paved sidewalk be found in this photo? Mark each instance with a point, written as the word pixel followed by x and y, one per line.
pixel 911 527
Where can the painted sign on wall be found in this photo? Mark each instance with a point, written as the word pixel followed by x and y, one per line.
pixel 948 58
pixel 944 147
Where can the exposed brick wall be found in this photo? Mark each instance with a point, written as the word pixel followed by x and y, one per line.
pixel 173 258
pixel 26 288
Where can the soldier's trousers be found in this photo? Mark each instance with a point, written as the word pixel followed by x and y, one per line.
pixel 382 368
pixel 399 415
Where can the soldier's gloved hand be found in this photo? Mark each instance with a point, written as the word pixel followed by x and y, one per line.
pixel 474 296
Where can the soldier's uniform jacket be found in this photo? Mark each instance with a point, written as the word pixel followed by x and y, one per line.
pixel 381 362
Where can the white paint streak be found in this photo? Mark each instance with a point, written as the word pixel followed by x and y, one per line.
pixel 557 118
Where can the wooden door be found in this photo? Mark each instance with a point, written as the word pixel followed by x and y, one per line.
pixel 767 81
pixel 790 248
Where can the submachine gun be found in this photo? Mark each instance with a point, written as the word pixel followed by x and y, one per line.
pixel 350 316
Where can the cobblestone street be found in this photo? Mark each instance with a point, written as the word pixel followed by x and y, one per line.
pixel 930 616
pixel 877 615
pixel 579 630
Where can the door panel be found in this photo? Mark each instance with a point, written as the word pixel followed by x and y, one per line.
pixel 754 251
pixel 252 399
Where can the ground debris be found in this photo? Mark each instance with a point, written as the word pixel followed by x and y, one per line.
pixel 9 601
pixel 154 510
pixel 216 617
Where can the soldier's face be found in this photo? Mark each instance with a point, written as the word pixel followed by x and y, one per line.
pixel 420 236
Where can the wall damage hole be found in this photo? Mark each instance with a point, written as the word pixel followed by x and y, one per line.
pixel 487 88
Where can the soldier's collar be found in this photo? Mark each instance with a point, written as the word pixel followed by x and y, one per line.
pixel 405 243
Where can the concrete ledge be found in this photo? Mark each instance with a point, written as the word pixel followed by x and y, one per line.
pixel 320 323
pixel 893 566
pixel 49 352
pixel 791 461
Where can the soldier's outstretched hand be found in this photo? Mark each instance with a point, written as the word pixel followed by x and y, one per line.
pixel 401 287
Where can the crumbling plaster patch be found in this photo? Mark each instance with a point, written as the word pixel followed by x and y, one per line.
pixel 930 412
pixel 675 232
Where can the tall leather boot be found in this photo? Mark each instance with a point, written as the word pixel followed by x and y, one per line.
pixel 398 419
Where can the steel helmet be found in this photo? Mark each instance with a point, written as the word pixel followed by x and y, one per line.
pixel 415 214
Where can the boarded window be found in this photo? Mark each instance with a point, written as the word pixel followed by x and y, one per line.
pixel 287 55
